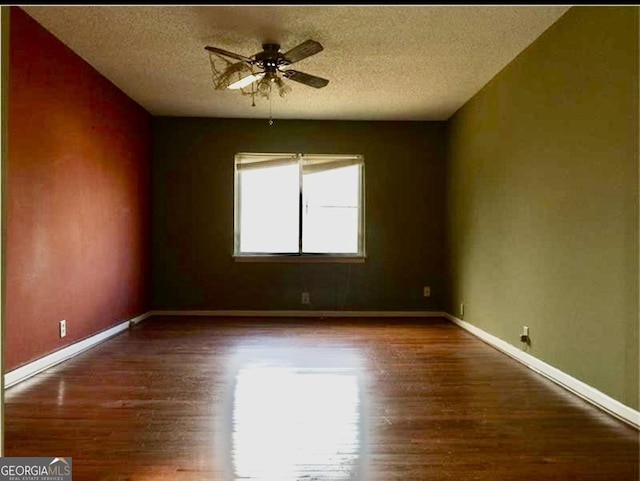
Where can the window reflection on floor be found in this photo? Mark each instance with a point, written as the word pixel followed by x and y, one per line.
pixel 297 421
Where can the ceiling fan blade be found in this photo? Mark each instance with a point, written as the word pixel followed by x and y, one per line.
pixel 305 78
pixel 229 54
pixel 304 50
pixel 243 82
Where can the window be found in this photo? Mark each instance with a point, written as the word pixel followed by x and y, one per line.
pixel 299 204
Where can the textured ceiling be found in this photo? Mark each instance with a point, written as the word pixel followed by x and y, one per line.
pixel 383 62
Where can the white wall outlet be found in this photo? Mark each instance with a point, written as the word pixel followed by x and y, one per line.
pixel 426 291
pixel 461 310
pixel 524 337
pixel 63 328
pixel 305 298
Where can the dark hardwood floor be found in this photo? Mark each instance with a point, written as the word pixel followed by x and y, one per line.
pixel 280 400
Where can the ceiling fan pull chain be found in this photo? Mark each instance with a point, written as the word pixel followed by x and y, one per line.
pixel 270 111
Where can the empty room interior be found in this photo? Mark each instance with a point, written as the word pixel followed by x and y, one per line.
pixel 284 243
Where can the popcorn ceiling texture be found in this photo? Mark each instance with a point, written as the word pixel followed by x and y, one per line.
pixel 383 62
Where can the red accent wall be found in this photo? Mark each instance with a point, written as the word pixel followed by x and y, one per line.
pixel 78 199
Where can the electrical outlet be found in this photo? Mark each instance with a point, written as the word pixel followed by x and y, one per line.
pixel 63 328
pixel 305 298
pixel 461 310
pixel 426 291
pixel 524 337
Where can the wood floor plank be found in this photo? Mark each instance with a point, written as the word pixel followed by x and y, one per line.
pixel 185 399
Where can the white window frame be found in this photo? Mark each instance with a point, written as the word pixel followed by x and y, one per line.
pixel 247 159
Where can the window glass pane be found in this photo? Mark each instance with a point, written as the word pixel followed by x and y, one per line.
pixel 268 203
pixel 330 210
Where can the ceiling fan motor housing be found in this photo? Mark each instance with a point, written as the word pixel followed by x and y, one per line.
pixel 270 59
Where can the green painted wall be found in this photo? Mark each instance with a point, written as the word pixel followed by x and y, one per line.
pixel 193 216
pixel 542 194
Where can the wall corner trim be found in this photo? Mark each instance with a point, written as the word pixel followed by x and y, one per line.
pixel 575 386
pixel 22 373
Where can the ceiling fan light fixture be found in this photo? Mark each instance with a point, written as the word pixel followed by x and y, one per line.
pixel 264 87
pixel 283 89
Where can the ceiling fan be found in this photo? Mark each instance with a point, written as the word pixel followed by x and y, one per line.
pixel 266 68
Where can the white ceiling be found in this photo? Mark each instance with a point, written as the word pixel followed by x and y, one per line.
pixel 383 62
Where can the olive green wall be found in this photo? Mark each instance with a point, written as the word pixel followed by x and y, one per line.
pixel 193 216
pixel 542 193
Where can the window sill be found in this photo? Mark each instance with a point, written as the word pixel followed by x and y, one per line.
pixel 312 259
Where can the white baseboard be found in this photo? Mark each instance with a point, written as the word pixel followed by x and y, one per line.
pixel 588 393
pixel 139 319
pixel 12 378
pixel 308 313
